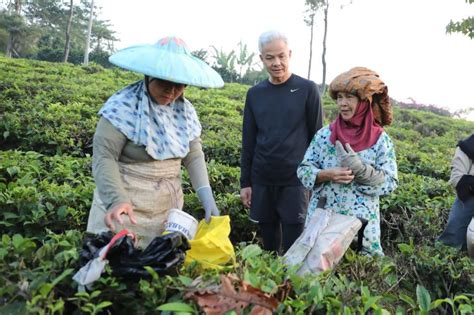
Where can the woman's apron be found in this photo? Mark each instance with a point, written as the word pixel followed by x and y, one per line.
pixel 153 188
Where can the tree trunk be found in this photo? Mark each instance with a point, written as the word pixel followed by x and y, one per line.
pixel 323 89
pixel 88 37
pixel 311 46
pixel 68 32
pixel 11 36
pixel 18 6
pixel 8 51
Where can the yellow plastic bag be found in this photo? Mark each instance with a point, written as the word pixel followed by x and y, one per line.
pixel 211 247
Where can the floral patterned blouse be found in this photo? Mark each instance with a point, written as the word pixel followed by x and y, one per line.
pixel 353 198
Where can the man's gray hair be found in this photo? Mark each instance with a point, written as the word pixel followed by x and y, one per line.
pixel 269 37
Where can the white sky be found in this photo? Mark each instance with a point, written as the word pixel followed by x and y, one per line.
pixel 403 40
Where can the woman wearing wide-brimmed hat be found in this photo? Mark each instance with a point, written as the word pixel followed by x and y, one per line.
pixel 351 162
pixel 145 131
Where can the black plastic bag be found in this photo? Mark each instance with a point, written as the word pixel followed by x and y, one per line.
pixel 165 254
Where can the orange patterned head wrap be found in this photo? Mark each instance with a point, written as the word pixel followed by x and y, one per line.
pixel 366 84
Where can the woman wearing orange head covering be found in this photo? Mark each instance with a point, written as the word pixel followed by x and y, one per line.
pixel 351 162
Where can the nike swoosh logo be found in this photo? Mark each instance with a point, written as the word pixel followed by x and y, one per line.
pixel 294 90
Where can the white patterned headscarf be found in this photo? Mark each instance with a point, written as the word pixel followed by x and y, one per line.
pixel 164 130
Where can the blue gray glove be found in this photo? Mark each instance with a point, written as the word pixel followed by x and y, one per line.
pixel 363 174
pixel 208 202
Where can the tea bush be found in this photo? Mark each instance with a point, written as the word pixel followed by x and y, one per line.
pixel 417 210
pixel 40 193
pixel 48 115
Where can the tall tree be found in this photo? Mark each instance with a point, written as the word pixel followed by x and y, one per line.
pixel 103 36
pixel 310 22
pixel 88 36
pixel 51 17
pixel 14 27
pixel 54 30
pixel 68 31
pixel 225 64
pixel 312 8
pixel 323 55
pixel 244 60
pixel 18 38
pixel 465 26
pixel 17 6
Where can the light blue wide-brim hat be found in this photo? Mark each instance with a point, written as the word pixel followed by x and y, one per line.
pixel 169 59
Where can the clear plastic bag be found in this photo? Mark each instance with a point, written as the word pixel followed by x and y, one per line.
pixel 323 242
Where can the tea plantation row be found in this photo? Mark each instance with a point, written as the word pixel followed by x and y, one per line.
pixel 48 115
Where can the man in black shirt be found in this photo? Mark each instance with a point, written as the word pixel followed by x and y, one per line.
pixel 281 116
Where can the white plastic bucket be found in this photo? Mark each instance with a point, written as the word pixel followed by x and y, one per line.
pixel 180 221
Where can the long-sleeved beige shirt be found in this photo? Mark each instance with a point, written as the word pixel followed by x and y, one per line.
pixel 111 146
pixel 460 165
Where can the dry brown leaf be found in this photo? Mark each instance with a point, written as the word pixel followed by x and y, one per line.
pixel 259 297
pixel 229 298
pixel 216 304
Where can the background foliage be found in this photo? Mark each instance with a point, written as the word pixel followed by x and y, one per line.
pixel 48 116
pixel 37 30
pixel 465 26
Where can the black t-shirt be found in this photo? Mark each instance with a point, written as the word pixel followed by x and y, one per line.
pixel 279 122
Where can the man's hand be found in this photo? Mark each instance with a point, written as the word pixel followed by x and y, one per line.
pixel 246 196
pixel 116 214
